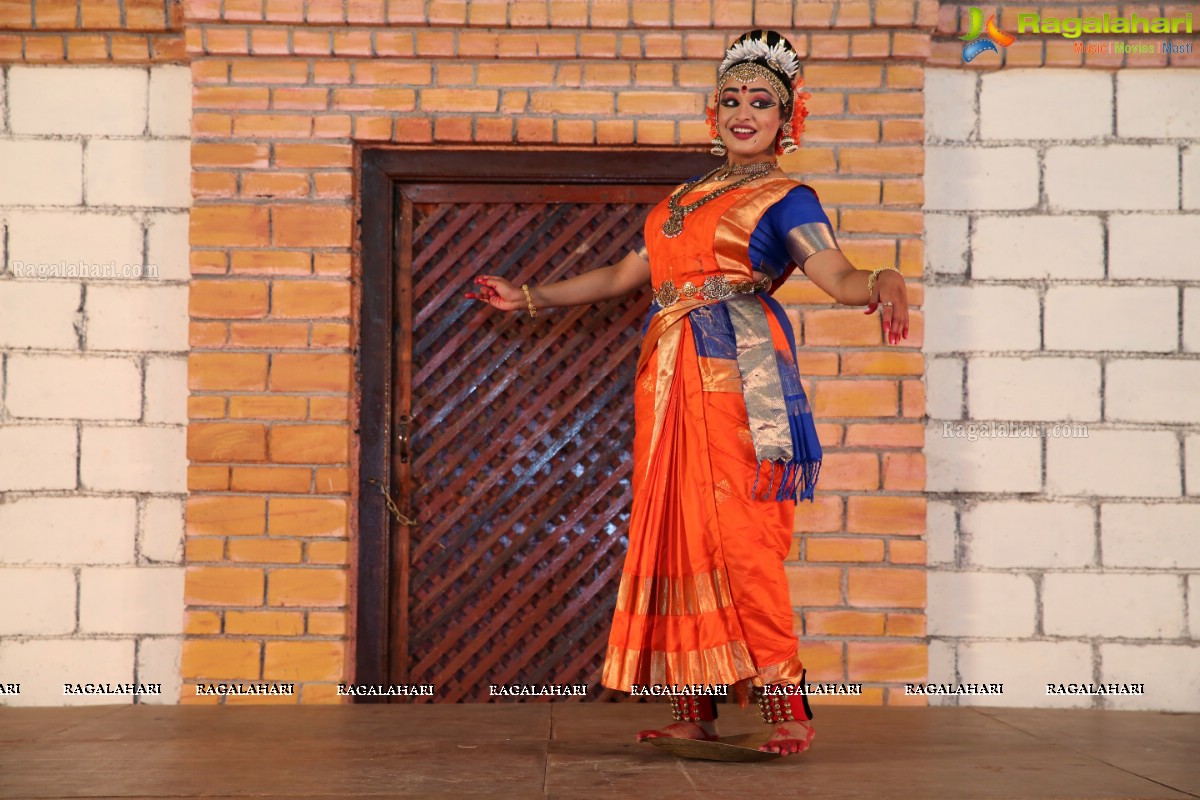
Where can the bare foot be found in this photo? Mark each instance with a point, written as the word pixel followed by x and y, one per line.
pixel 789 737
pixel 704 730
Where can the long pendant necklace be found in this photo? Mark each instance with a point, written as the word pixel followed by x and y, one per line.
pixel 674 224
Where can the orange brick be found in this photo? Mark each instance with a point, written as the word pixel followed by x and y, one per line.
pixel 268 407
pixel 855 220
pixel 337 552
pixel 214 659
pixel 265 623
pixel 402 73
pixel 905 76
pixel 332 480
pixel 303 661
pixel 884 160
pixel 222 515
pixel 60 14
pixel 352 43
pixel 913 403
pixel 229 226
pixel 849 471
pixel 909 44
pixel 272 551
pixel 870 45
pixel 886 587
pixel 269 70
pixel 307 587
pixel 265 42
pixel 205 124
pixel 228 299
pixel 332 264
pixel 830 433
pixel 822 660
pixel 203 549
pixel 312 226
pixel 95 14
pixel 336 185
pixel 660 103
pixel 276 184
pixel 855 398
pixel 205 407
pixel 883 362
pixel 831 548
pixel 841 130
pixel 906 551
pixel 18 14
pixel 223 586
pixel 822 515
pixel 330 408
pixel 814 586
pixel 227 371
pixel 809 161
pixel 905 624
pixel 896 697
pixel 214 184
pixel 315 372
pixel 209 262
pixel 885 435
pixel 904 472
pixel 208 479
pixel 219 441
pixel 843 623
pixel 331 334
pixel 886 661
pixel 271 479
pixel 376 99
pixel 284 126
pixel 231 97
pixel 198 623
pixel 572 102
pixel 86 47
pixel 326 623
pixel 815 362
pixel 268 334
pixel 887 103
pixel 290 98
pixel 894 515
pixel 309 444
pixel 322 694
pixel 308 299
pixel 306 516
pixel 903 130
pixel 270 262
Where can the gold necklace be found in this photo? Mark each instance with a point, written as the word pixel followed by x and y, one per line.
pixel 674 224
pixel 740 169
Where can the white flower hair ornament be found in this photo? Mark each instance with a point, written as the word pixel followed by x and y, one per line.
pixel 778 55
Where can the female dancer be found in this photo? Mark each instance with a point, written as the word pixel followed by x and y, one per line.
pixel 719 410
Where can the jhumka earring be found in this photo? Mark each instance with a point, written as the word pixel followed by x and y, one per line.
pixel 718 146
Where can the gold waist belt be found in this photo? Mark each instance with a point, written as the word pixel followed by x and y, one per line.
pixel 715 287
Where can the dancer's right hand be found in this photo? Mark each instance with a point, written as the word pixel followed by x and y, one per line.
pixel 498 292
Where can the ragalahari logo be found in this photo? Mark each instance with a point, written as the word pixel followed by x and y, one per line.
pixel 992 35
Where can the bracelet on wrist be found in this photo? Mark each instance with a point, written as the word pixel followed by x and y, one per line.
pixel 871 282
pixel 529 299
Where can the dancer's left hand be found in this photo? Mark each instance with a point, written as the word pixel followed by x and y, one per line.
pixel 893 299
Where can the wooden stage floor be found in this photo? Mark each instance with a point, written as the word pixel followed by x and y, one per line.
pixel 575 751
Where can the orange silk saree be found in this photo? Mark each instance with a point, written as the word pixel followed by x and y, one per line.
pixel 703 597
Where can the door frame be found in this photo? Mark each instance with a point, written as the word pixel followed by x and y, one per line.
pixel 383 170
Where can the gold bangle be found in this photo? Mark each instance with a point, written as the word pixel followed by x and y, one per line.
pixel 871 281
pixel 529 299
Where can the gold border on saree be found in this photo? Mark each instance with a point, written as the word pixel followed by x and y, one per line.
pixel 715 287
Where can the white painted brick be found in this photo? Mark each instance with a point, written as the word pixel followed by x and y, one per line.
pixel 1155 246
pixel 168 246
pixel 81 238
pixel 1018 533
pixel 170 100
pixel 1193 590
pixel 1191 319
pixel 166 390
pixel 131 600
pixel 137 318
pixel 41 173
pixel 955 463
pixel 42 666
pixel 162 530
pixel 962 178
pixel 1158 103
pixel 1191 177
pixel 37 600
pixel 1035 247
pixel 133 459
pixel 941 665
pixel 39 314
pixel 1171 673
pixel 73 387
pixel 67 530
pixel 78 100
pixel 37 457
pixel 1117 463
pixel 1152 390
pixel 1131 318
pixel 159 661
pixel 1050 389
pixel 946 244
pixel 944 388
pixel 1025 668
pixel 1112 177
pixel 980 604
pixel 1112 605
pixel 941 533
pixel 950 106
pixel 139 172
pixel 1191 446
pixel 1071 104
pixel 1156 535
pixel 965 318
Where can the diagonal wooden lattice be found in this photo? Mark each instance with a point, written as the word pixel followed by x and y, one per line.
pixel 521 440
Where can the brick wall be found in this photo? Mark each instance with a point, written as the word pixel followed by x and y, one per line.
pixel 1063 271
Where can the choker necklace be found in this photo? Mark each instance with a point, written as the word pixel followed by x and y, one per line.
pixel 674 224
